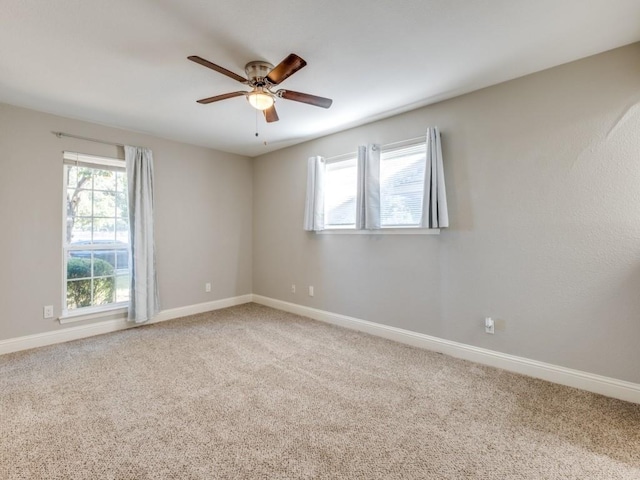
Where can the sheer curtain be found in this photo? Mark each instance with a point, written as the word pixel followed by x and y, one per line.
pixel 434 208
pixel 143 304
pixel 314 203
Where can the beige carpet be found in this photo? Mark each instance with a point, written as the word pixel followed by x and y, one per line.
pixel 255 393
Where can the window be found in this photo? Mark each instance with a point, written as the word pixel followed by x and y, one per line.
pixel 341 179
pixel 397 189
pixel 96 233
pixel 402 185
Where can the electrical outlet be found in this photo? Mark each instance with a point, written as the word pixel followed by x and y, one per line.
pixel 293 288
pixel 207 287
pixel 310 290
pixel 489 325
pixel 47 311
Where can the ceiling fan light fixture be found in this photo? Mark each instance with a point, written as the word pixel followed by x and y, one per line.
pixel 260 100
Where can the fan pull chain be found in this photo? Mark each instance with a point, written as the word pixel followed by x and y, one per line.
pixel 257 134
pixel 256 123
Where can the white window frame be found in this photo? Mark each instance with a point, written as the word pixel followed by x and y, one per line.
pixel 94 311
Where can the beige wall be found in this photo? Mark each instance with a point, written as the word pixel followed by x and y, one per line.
pixel 203 217
pixel 543 178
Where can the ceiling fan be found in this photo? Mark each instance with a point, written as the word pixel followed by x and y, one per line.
pixel 261 77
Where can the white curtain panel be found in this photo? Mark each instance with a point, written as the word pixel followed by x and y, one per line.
pixel 434 209
pixel 372 188
pixel 360 209
pixel 314 203
pixel 368 191
pixel 143 303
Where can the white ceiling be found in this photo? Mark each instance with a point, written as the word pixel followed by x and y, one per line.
pixel 124 62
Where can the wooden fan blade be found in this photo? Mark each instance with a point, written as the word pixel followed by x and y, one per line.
pixel 270 114
pixel 224 96
pixel 305 98
pixel 217 68
pixel 285 69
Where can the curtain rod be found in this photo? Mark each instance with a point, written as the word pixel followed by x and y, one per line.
pixel 62 134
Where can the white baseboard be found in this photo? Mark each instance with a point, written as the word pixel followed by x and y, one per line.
pixel 106 326
pixel 610 387
pixel 201 308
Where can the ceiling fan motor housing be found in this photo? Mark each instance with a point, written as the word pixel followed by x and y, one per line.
pixel 257 73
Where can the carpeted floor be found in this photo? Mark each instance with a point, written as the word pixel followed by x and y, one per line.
pixel 254 393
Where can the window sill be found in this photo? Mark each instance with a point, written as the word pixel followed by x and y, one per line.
pixel 382 231
pixel 93 313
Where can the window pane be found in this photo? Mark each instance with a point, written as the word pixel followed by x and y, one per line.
pixel 79 264
pixel 80 201
pixel 104 230
pixel 121 182
pixel 123 283
pixel 104 180
pixel 102 265
pixel 401 186
pixel 104 290
pixel 122 261
pixel 104 204
pixel 78 293
pixel 72 176
pixel 78 178
pixel 108 256
pixel 122 207
pixel 340 193
pixel 79 230
pixel 122 230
